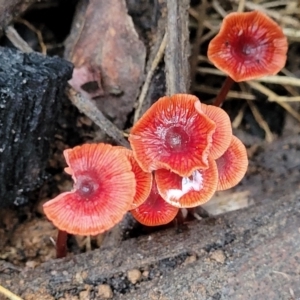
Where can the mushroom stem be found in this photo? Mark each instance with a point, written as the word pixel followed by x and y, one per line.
pixel 180 217
pixel 224 91
pixel 61 244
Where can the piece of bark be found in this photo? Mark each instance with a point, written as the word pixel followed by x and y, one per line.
pixel 246 254
pixel 178 47
pixel 109 57
pixel 31 89
pixel 11 9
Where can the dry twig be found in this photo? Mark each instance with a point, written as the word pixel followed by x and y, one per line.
pixel 285 20
pixel 231 94
pixel 17 40
pixel 177 49
pixel 273 96
pixel 261 122
pixel 8 294
pixel 239 117
pixel 37 32
pixel 155 62
pixel 276 79
pixel 218 8
pixel 241 6
pixel 87 107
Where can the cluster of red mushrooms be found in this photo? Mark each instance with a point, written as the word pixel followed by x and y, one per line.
pixel 183 151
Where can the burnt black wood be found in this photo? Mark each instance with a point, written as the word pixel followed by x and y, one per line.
pixel 31 89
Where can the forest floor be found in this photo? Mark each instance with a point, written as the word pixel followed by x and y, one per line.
pixel 246 247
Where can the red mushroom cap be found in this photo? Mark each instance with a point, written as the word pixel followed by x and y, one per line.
pixel 249 45
pixel 232 165
pixel 155 210
pixel 104 187
pixel 143 179
pixel 173 135
pixel 222 136
pixel 185 192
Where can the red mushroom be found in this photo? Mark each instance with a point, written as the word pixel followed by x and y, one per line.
pixel 222 136
pixel 173 135
pixel 232 165
pixel 155 210
pixel 249 45
pixel 186 192
pixel 104 187
pixel 143 180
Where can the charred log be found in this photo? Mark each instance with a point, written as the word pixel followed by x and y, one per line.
pixel 31 88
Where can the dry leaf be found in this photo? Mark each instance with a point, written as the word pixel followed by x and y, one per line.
pixel 108 55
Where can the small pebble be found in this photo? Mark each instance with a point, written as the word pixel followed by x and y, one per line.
pixel 84 295
pixel 190 259
pixel 79 278
pixel 105 291
pixel 218 256
pixel 31 264
pixel 146 274
pixel 134 275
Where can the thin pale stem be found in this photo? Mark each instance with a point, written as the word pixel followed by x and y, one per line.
pixel 223 92
pixel 8 294
pixel 61 244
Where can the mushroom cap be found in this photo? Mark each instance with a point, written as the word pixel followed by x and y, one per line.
pixel 249 45
pixel 143 179
pixel 103 191
pixel 185 192
pixel 172 135
pixel 155 210
pixel 222 136
pixel 232 165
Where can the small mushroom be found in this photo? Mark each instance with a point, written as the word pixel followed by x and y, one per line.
pixel 173 135
pixel 186 192
pixel 232 165
pixel 103 191
pixel 155 210
pixel 143 180
pixel 222 136
pixel 249 45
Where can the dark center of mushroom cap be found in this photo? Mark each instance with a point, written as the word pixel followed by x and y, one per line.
pixel 244 48
pixel 176 139
pixel 86 186
pixel 248 47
